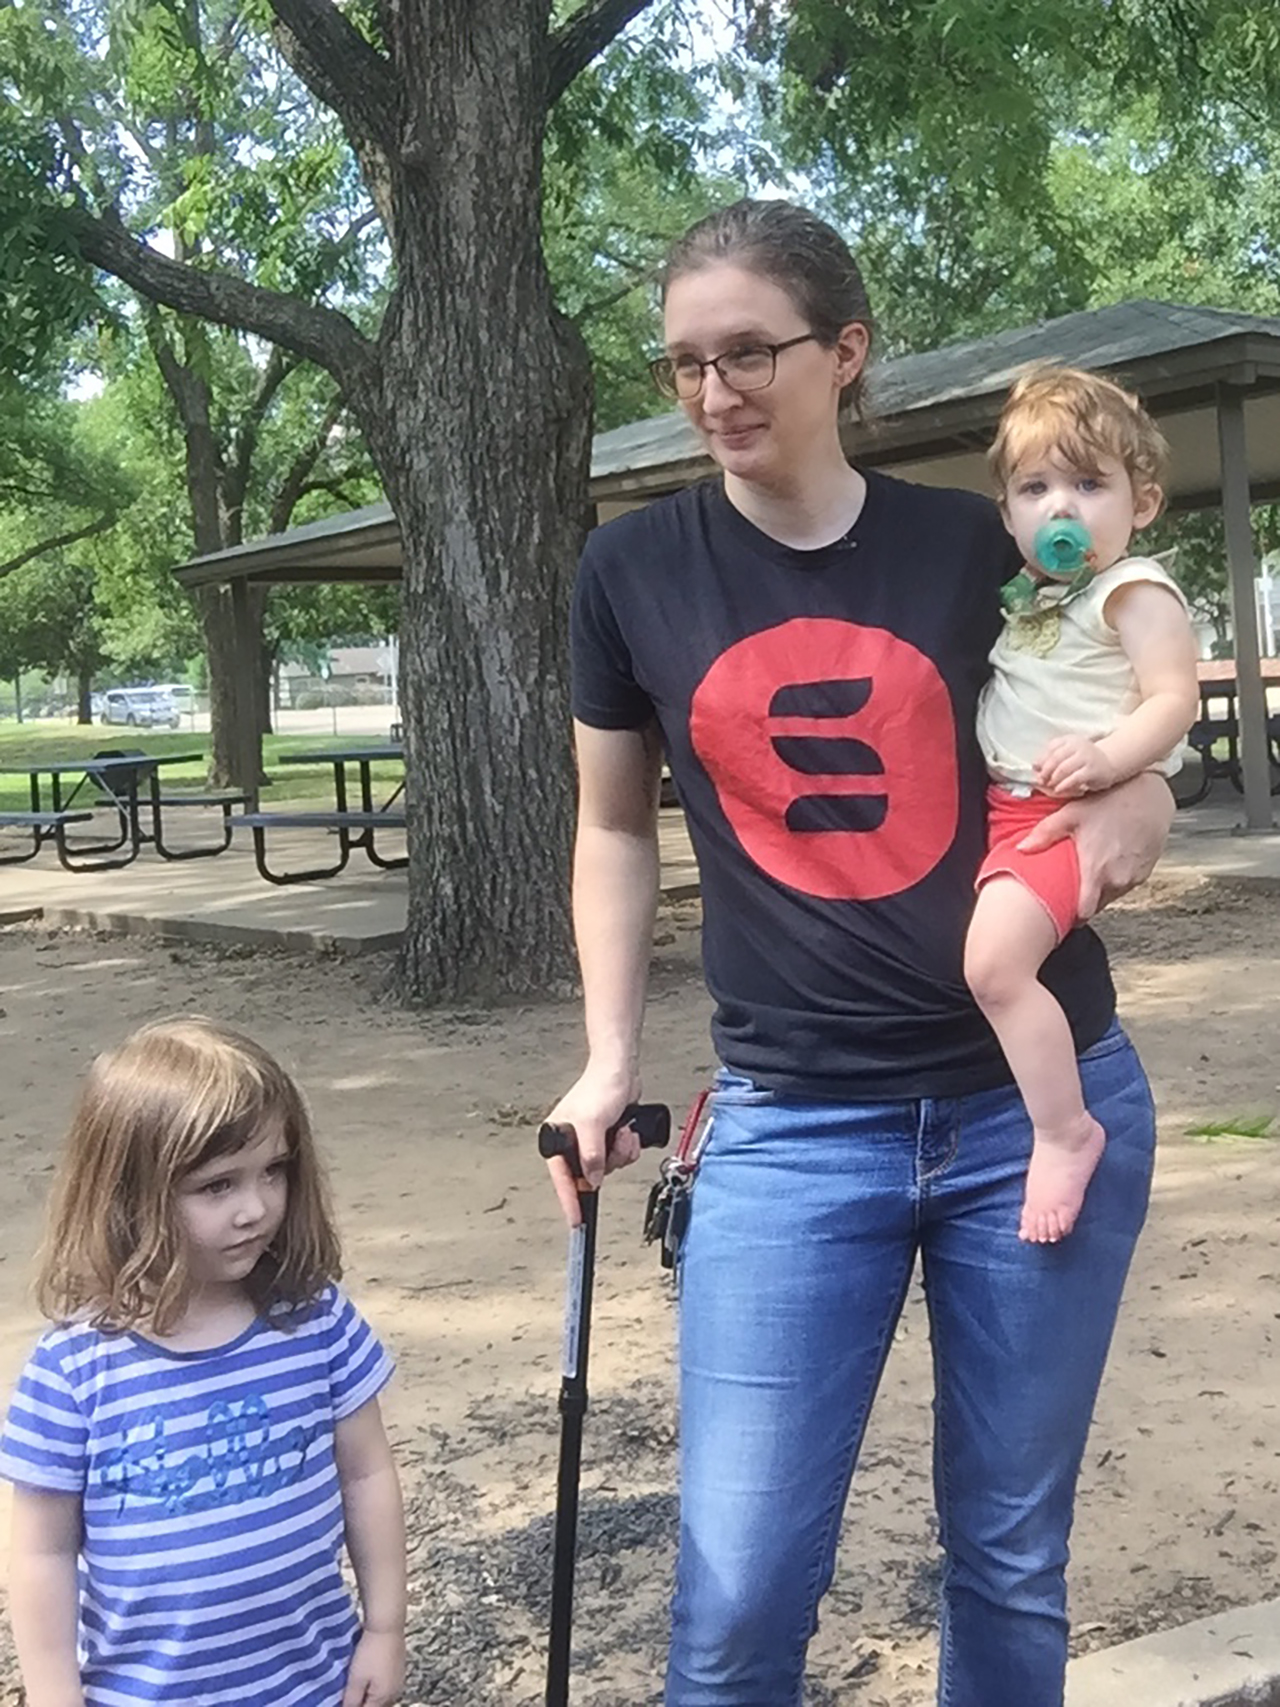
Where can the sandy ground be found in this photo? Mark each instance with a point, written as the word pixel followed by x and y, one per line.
pixel 455 1251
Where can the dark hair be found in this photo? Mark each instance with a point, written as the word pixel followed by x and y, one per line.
pixel 794 250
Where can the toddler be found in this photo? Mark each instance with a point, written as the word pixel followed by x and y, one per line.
pixel 1094 681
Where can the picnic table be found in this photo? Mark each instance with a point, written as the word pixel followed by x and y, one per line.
pixel 125 783
pixel 354 827
pixel 1218 722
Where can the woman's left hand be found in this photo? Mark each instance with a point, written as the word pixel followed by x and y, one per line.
pixel 1119 837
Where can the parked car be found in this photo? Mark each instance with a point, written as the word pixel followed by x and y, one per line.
pixel 147 708
pixel 182 694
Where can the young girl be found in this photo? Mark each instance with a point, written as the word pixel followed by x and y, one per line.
pixel 192 1440
pixel 1094 682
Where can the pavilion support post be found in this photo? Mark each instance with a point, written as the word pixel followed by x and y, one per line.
pixel 246 741
pixel 1251 699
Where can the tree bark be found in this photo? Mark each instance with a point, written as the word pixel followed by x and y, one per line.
pixel 84 696
pixel 218 623
pixel 216 495
pixel 491 522
pixel 266 670
pixel 481 426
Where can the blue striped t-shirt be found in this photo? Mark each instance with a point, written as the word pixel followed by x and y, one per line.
pixel 209 1570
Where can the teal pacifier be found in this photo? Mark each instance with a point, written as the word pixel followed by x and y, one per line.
pixel 1062 548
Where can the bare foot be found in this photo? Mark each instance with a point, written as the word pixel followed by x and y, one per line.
pixel 1059 1175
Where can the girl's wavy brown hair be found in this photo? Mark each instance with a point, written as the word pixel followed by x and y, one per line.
pixel 172 1097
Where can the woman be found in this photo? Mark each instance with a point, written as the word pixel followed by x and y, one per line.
pixel 807 643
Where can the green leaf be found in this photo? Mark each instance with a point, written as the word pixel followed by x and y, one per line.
pixel 1244 1128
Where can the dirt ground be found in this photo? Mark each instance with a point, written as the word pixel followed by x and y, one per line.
pixel 455 1251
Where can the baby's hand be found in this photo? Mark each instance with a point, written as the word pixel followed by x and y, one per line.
pixel 1072 765
pixel 377 1670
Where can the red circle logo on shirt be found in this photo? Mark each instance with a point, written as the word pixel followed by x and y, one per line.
pixel 832 748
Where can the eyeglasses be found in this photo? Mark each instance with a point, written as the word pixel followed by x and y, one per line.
pixel 749 368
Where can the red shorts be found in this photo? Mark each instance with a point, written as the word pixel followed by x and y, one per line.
pixel 1053 876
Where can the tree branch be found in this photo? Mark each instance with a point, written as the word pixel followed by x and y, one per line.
pixel 337 488
pixel 55 544
pixel 153 157
pixel 294 482
pixel 322 335
pixel 164 354
pixel 279 367
pixel 587 33
pixel 641 269
pixel 370 148
pixel 23 493
pixel 603 302
pixel 347 240
pixel 340 68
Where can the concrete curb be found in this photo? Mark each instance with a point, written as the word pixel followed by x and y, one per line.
pixel 206 930
pixel 1262 882
pixel 1229 1660
pixel 682 892
pixel 21 915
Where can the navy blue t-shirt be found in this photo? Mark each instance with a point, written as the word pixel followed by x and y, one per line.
pixel 817 709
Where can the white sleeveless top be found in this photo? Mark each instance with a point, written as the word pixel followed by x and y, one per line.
pixel 1060 670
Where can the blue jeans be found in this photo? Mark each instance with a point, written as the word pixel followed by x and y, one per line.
pixel 805 1223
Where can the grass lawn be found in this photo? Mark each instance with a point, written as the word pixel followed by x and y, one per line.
pixel 51 739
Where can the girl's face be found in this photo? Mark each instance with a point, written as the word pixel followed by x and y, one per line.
pixel 231 1208
pixel 768 437
pixel 1048 488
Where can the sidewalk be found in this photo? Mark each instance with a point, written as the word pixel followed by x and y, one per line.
pixel 225 900
pixel 363 910
pixel 1203 839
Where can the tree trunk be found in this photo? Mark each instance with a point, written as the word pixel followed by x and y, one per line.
pixel 232 642
pixel 485 448
pixel 489 543
pixel 84 696
pixel 218 622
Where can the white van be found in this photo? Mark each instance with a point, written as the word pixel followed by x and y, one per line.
pixel 145 708
pixel 182 694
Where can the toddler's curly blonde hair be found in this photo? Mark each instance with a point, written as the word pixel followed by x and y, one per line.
pixel 1081 416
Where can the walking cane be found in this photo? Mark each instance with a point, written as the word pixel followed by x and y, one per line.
pixel 652 1124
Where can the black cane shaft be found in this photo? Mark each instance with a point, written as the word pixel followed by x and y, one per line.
pixel 652 1123
pixel 560 1648
pixel 573 1409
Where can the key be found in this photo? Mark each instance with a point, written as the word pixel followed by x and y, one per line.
pixel 657 1212
pixel 676 1224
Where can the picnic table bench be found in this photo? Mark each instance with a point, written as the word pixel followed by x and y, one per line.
pixel 125 782
pixel 42 826
pixel 1214 725
pixel 353 829
pixel 222 798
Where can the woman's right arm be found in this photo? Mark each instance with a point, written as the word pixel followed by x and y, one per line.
pixel 44 1594
pixel 615 894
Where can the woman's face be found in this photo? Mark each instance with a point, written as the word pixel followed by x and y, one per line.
pixel 772 436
